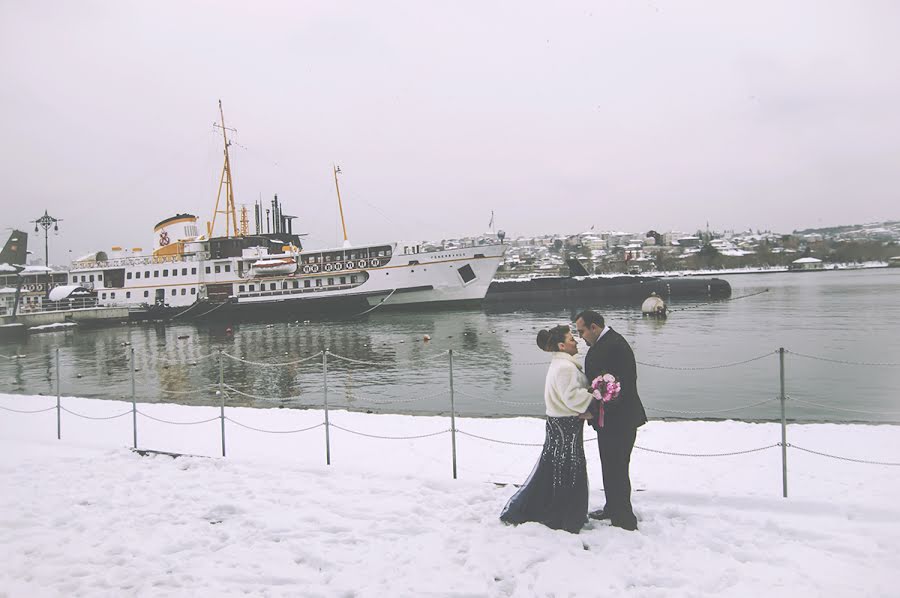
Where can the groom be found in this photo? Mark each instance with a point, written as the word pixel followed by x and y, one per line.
pixel 610 353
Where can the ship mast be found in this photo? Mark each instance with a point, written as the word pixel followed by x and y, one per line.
pixel 337 170
pixel 231 221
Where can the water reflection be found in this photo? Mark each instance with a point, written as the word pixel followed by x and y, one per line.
pixel 498 369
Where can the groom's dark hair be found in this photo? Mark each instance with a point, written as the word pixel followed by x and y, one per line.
pixel 589 317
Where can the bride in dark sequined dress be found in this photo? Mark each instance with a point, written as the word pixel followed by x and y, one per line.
pixel 556 492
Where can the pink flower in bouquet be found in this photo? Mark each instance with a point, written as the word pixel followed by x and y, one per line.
pixel 606 388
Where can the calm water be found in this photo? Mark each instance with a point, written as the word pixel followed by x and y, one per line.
pixel 498 370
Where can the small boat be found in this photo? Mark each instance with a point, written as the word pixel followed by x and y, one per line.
pixel 273 266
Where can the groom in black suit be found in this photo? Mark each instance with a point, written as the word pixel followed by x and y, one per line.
pixel 610 353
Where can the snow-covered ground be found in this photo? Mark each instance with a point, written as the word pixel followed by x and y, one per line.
pixel 85 516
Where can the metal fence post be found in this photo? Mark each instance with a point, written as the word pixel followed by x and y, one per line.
pixel 784 487
pixel 452 416
pixel 133 401
pixel 222 395
pixel 325 387
pixel 58 407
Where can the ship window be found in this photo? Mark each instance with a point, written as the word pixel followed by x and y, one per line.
pixel 466 273
pixel 353 279
pixel 184 271
pixel 99 277
pixel 128 294
pixel 193 270
pixel 112 295
pixel 218 269
pixel 208 270
pixel 228 267
pixel 296 284
pixel 156 274
pixel 128 276
pixel 240 288
pixel 137 274
pixel 284 284
pixel 146 293
pixel 184 291
pixel 103 296
pixel 343 280
pixel 252 287
pixel 173 292
pixel 306 284
pixel 271 286
pixel 318 282
pixel 193 291
pixel 146 273
pixel 166 272
pixel 92 278
pixel 330 281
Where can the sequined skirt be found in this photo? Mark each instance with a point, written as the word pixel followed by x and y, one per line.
pixel 556 492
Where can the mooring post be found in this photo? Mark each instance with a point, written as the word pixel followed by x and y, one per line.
pixel 58 406
pixel 452 416
pixel 784 444
pixel 222 396
pixel 133 401
pixel 327 423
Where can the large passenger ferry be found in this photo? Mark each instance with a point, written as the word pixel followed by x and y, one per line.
pixel 269 272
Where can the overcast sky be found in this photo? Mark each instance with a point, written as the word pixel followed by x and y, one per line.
pixel 631 115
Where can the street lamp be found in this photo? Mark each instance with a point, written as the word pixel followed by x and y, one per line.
pixel 45 222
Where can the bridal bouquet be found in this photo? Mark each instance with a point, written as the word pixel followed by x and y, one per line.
pixel 605 388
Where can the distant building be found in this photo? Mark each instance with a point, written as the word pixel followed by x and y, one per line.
pixel 806 263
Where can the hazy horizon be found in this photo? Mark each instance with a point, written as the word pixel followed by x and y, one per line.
pixel 621 115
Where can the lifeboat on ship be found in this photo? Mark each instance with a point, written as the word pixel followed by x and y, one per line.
pixel 273 266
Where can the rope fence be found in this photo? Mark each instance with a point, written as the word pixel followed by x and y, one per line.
pixel 221 393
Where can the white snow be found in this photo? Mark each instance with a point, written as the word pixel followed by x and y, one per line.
pixel 84 516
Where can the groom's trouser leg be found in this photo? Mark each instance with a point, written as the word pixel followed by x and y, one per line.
pixel 615 458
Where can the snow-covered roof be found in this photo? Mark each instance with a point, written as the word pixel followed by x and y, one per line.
pixel 807 260
pixel 64 291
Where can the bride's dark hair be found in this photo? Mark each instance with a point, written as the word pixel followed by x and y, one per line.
pixel 549 340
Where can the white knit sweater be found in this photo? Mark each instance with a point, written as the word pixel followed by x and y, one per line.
pixel 566 388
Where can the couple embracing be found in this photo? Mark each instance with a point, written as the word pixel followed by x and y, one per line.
pixel 603 392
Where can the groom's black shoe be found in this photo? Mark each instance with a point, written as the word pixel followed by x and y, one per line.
pixel 599 514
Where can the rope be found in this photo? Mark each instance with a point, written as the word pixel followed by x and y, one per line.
pixel 888 413
pixel 268 364
pixel 841 361
pixel 187 392
pixel 746 452
pixel 388 437
pixel 711 410
pixel 716 302
pixel 27 411
pixel 520 403
pixel 708 367
pixel 806 450
pixel 165 421
pixel 274 431
pixel 408 399
pixel 212 310
pixel 259 398
pixel 458 431
pixel 95 418
pixel 181 313
pixel 380 303
pixel 360 361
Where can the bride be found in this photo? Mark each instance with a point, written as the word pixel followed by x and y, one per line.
pixel 556 492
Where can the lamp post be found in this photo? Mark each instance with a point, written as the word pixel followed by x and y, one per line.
pixel 45 222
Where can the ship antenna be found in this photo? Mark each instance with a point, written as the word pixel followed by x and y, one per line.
pixel 337 171
pixel 231 221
